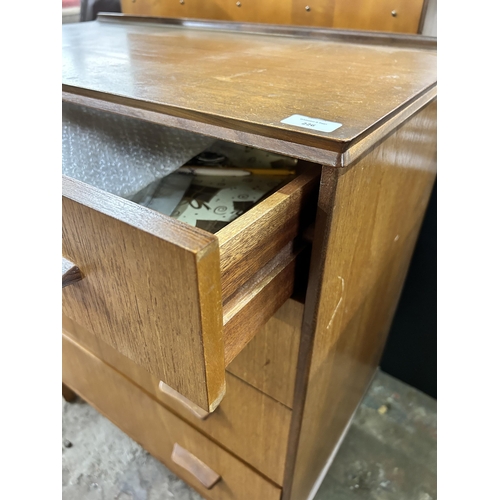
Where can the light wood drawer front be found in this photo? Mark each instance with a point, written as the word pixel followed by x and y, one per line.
pixel 249 423
pixel 157 429
pixel 177 300
pixel 397 16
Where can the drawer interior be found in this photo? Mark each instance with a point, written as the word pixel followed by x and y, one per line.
pixel 191 177
pixel 176 299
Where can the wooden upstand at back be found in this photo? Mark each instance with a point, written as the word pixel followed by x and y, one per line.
pixel 238 358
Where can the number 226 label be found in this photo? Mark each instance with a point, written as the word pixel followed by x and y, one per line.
pixel 311 123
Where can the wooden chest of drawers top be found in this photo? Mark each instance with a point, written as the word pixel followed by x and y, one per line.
pixel 241 86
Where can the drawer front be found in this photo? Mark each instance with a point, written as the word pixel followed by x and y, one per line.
pixel 213 472
pixel 397 16
pixel 149 288
pixel 174 299
pixel 249 423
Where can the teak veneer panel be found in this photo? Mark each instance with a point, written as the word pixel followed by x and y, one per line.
pixel 256 11
pixel 269 360
pixel 247 422
pixel 248 82
pixel 255 237
pixel 369 218
pixel 133 259
pixel 157 430
pixel 250 308
pixel 400 16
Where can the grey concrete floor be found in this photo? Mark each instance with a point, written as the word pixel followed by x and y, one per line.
pixel 389 453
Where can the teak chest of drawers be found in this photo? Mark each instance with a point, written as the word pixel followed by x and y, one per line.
pixel 238 359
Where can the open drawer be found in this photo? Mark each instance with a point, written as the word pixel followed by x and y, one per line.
pixel 173 298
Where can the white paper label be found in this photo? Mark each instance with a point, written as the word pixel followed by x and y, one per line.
pixel 311 123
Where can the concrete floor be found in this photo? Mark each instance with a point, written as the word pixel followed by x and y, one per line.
pixel 389 453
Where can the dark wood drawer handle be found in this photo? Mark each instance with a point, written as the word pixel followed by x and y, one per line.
pixel 70 273
pixel 205 475
pixel 185 402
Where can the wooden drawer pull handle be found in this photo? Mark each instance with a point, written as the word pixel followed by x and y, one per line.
pixel 70 273
pixel 185 402
pixel 205 475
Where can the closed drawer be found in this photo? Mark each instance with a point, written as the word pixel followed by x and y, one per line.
pixel 212 471
pixel 249 423
pixel 177 300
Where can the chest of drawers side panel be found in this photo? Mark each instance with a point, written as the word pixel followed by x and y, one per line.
pixel 368 220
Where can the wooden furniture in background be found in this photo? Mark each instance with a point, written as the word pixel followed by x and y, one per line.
pixel 400 16
pixel 227 321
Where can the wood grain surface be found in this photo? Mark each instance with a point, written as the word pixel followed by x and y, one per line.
pixel 269 360
pixel 257 236
pixel 245 82
pixel 245 138
pixel 247 422
pixel 256 301
pixel 239 86
pixel 368 220
pixel 151 289
pixel 257 11
pixel 402 16
pixel 157 430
